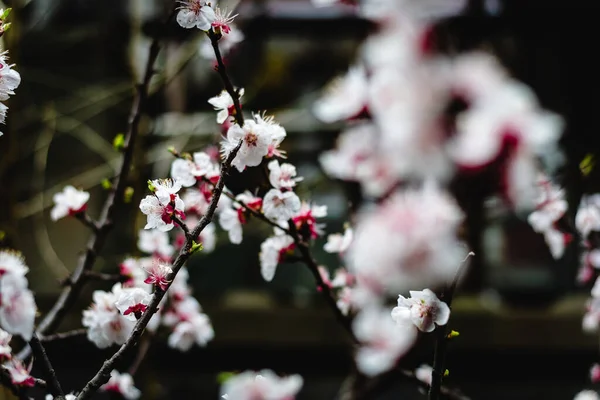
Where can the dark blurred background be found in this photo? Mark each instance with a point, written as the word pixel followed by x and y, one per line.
pixel 519 311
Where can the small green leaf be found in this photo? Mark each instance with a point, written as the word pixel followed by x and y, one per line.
pixel 196 247
pixel 151 186
pixel 587 164
pixel 453 334
pixel 6 27
pixel 5 14
pixel 119 142
pixel 446 373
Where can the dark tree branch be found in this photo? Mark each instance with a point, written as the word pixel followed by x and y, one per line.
pixel 88 221
pixel 182 225
pixel 99 276
pixel 141 353
pixel 19 392
pixel 63 335
pixel 312 265
pixel 103 374
pixel 40 353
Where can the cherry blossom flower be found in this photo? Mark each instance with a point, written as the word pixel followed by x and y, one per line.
pixel 106 325
pixel 588 216
pixel 19 374
pixel 556 241
pixel 161 207
pixel 186 172
pixel 550 206
pixel 282 176
pixel 231 219
pixel 345 97
pixel 408 241
pixel 17 310
pixel 280 206
pixel 9 78
pixel 306 220
pixel 196 329
pixel 12 262
pixel 195 202
pixel 591 318
pixel 121 383
pixel 69 202
pixel 155 242
pixel 256 136
pixel 424 373
pixel 223 20
pixel 344 300
pixel 158 273
pixel 195 14
pixel 338 242
pixel 5 349
pixel 223 103
pixel 133 270
pixel 272 252
pixel 133 302
pixel 587 395
pixel 423 308
pixel 263 385
pixel 384 340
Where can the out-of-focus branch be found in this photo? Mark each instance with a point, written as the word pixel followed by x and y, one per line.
pixel 103 374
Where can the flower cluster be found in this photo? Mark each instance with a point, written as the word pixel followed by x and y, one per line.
pixel 121 384
pixel 112 316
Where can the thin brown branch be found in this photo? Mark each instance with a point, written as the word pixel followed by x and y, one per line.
pixel 182 225
pixel 313 267
pixel 63 335
pixel 103 374
pixel 222 70
pixel 71 292
pixel 441 342
pixel 88 221
pixel 40 353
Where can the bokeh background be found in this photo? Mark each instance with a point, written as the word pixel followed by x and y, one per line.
pixel 519 311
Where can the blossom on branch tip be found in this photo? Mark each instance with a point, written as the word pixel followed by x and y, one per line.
pixel 69 202
pixel 223 103
pixel 256 138
pixel 423 308
pixel 158 273
pixel 272 252
pixel 222 22
pixel 282 176
pixel 133 302
pixel 278 205
pixel 121 384
pixel 195 13
pixel 163 206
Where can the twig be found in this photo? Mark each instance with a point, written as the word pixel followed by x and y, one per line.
pixel 103 374
pixel 71 292
pixel 48 370
pixel 222 70
pixel 312 265
pixel 63 335
pixel 441 343
pixel 88 221
pixel 182 225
